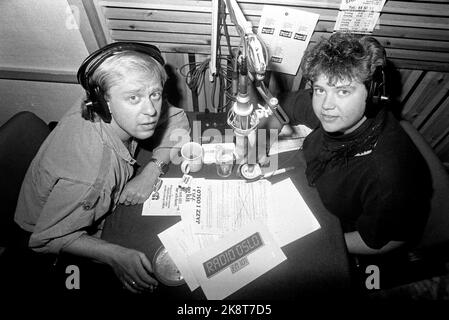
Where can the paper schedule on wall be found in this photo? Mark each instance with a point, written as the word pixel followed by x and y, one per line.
pixel 362 5
pixel 286 33
pixel 359 16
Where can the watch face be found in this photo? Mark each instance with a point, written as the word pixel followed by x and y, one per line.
pixel 164 167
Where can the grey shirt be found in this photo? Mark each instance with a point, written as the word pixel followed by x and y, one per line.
pixel 77 177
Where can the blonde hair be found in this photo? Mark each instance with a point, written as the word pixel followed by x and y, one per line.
pixel 113 69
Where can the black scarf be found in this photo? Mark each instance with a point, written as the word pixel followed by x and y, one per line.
pixel 337 149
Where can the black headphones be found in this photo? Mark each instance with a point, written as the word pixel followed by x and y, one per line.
pixel 377 92
pixel 95 96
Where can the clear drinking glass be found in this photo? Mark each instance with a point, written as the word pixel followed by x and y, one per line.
pixel 224 159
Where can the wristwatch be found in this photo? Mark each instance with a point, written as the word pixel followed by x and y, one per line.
pixel 163 167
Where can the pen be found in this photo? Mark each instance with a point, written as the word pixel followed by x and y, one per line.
pixel 276 172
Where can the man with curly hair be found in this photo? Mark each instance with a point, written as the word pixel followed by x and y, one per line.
pixel 364 166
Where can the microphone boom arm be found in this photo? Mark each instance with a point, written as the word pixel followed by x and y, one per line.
pixel 272 102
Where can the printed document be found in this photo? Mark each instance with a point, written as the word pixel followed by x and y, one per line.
pixel 235 260
pixel 171 199
pixel 286 32
pixel 230 204
pixel 359 16
pixel 286 216
pixel 181 242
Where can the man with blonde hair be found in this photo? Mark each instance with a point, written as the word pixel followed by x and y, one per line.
pixel 86 165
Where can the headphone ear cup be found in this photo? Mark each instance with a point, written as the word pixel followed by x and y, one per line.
pixel 377 82
pixel 90 105
pixel 374 95
pixel 100 105
pixel 376 92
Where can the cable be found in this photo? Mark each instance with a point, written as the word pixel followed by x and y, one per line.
pixel 195 76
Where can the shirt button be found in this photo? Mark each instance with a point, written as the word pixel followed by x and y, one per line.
pixel 87 206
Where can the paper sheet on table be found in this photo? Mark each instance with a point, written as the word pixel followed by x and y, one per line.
pixel 235 260
pixel 285 145
pixel 232 204
pixel 286 225
pixel 293 141
pixel 180 242
pixel 211 209
pixel 170 200
pixel 227 205
pixel 289 216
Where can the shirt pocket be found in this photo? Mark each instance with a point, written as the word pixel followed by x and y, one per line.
pixel 91 198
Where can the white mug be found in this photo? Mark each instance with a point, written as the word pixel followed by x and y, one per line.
pixel 192 155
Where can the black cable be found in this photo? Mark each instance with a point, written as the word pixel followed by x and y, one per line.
pixel 195 77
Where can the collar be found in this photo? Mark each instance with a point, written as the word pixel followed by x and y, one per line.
pixel 110 138
pixel 358 141
pixel 342 138
pixel 337 149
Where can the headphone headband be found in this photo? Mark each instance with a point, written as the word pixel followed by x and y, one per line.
pixel 95 59
pixel 95 102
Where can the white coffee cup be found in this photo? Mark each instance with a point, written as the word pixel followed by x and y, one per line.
pixel 192 155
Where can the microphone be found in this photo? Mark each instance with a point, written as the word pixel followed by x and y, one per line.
pixel 242 118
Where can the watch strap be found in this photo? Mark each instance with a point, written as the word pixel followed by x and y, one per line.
pixel 162 166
